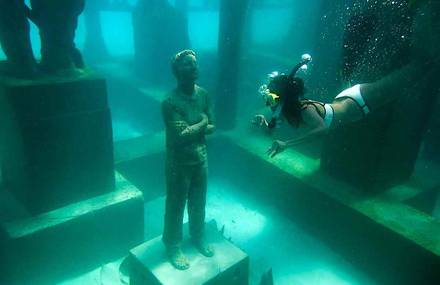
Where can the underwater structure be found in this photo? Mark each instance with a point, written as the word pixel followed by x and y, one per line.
pixel 94 45
pixel 232 20
pixel 83 152
pixel 154 45
pixel 390 139
pixel 57 158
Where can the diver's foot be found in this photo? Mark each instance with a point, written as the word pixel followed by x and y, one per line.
pixel 203 247
pixel 177 258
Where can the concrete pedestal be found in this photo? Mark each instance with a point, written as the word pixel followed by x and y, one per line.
pixel 229 265
pixel 431 149
pixel 71 240
pixel 57 140
pixel 379 151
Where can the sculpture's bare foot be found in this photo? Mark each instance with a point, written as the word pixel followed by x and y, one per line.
pixel 203 247
pixel 177 258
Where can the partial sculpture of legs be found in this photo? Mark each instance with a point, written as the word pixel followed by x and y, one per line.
pixel 178 181
pixel 196 208
pixel 15 39
pixel 57 21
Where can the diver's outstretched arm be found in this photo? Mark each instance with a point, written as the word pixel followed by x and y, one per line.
pixel 317 128
pixel 279 146
pixel 260 120
pixel 309 136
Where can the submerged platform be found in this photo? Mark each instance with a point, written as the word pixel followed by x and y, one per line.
pixel 55 245
pixel 229 265
pixel 382 235
pixel 56 140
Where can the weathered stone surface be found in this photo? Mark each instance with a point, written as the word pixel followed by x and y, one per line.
pixel 229 265
pixel 59 140
pixel 232 20
pixel 62 243
pixel 154 47
pixel 380 151
pixel 431 149
pixel 381 235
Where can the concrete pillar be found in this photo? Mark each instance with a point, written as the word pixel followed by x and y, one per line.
pixel 232 20
pixel 94 46
pixel 160 31
pixel 182 6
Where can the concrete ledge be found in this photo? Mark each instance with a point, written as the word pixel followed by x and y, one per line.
pixel 73 239
pixel 130 149
pixel 393 242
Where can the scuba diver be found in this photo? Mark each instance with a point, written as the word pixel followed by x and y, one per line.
pixel 284 93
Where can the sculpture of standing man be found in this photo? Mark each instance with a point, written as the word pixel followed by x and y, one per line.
pixel 188 119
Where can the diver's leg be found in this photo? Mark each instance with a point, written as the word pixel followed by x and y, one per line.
pixel 14 38
pixel 196 208
pixel 177 183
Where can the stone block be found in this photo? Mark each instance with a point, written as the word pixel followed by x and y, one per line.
pixel 59 148
pixel 379 151
pixel 229 265
pixel 431 150
pixel 71 240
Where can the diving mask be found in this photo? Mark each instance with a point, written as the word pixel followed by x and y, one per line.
pixel 270 99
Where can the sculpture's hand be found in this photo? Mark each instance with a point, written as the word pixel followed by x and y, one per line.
pixel 204 118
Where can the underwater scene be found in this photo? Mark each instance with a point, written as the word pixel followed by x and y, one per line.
pixel 220 142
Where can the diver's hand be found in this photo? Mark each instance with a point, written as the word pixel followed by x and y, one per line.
pixel 259 120
pixel 276 148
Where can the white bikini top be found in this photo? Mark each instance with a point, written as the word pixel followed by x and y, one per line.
pixel 328 115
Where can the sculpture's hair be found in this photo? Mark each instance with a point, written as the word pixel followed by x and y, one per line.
pixel 178 57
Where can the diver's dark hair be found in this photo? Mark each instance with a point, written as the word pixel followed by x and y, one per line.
pixel 178 57
pixel 290 89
